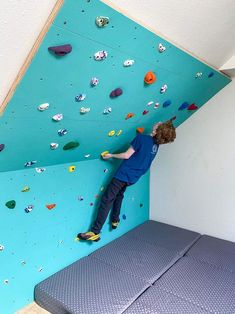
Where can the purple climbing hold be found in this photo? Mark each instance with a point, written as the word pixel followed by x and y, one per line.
pixel 61 50
pixel 116 92
pixel 183 106
pixel 2 146
pixel 166 103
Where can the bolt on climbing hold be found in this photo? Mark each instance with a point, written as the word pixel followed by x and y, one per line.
pixel 62 132
pixel 43 107
pixel 128 63
pixel 107 110
pixel 61 50
pixel 116 92
pixel 100 55
pixel 119 133
pixel 29 208
pixel 80 97
pixel 94 81
pixel 102 21
pixel 111 133
pixel 150 78
pixel 161 48
pixel 40 170
pixel 71 168
pixel 163 89
pixel 104 153
pixel 11 204
pixel 57 117
pixel 2 146
pixel 53 146
pixel 84 110
pixel 30 163
pixel 25 189
pixel 70 145
pixel 129 115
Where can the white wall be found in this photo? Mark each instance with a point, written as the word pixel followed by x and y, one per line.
pixel 193 179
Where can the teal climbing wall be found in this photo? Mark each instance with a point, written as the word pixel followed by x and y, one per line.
pixel 27 133
pixel 34 245
pixel 41 242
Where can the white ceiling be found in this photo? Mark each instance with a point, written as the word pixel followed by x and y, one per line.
pixel 205 28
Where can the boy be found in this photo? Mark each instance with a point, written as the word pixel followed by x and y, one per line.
pixel 136 161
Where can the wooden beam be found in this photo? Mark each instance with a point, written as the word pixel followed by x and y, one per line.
pixel 31 54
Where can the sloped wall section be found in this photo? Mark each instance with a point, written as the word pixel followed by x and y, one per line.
pixel 27 133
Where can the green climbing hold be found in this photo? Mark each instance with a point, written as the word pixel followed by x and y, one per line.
pixel 11 204
pixel 70 145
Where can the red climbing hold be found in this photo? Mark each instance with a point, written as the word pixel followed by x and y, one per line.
pixel 192 107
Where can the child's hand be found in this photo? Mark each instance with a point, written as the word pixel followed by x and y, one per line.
pixel 107 156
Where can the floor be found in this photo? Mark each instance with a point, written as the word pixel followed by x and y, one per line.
pixel 32 308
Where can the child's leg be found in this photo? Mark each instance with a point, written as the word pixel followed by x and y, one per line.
pixel 118 204
pixel 106 203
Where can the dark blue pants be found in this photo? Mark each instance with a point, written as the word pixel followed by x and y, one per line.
pixel 112 197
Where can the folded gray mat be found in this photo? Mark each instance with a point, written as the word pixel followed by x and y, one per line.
pixel 217 252
pixel 89 286
pixel 139 252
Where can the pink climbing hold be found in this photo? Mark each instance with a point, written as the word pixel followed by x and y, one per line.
pixel 145 112
pixel 116 92
pixel 192 107
pixel 2 146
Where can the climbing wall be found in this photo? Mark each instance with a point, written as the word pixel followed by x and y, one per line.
pixel 183 84
pixel 37 235
pixel 74 102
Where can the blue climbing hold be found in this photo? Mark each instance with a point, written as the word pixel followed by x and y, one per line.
pixel 211 74
pixel 166 103
pixel 183 106
pixel 124 217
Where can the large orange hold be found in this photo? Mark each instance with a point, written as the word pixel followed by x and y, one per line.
pixel 50 206
pixel 150 78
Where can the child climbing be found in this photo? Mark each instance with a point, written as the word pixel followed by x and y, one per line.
pixel 136 161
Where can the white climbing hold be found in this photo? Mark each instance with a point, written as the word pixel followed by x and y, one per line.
pixel 156 105
pixel 53 146
pixel 128 63
pixel 84 110
pixel 6 281
pixel 161 48
pixel 100 55
pixel 40 170
pixel 2 247
pixel 43 107
pixel 163 89
pixel 30 163
pixel 87 156
pixel 29 208
pixel 150 103
pixel 57 117
pixel 107 110
pixel 198 75
pixel 94 81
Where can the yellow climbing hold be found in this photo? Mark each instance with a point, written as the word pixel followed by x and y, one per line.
pixel 72 168
pixel 111 133
pixel 25 189
pixel 104 153
pixel 119 133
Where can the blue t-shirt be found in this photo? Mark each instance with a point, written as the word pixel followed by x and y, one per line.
pixel 133 168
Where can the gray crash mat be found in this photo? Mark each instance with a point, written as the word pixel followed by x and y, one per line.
pixel 89 286
pixel 201 284
pixel 217 252
pixel 157 301
pixel 148 250
pixel 164 235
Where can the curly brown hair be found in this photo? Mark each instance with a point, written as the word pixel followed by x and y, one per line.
pixel 165 133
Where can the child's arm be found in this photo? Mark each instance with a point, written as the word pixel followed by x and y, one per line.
pixel 124 155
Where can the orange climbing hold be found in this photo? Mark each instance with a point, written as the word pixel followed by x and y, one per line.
pixel 50 206
pixel 140 130
pixel 150 78
pixel 129 115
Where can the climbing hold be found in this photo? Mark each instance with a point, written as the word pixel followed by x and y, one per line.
pixel 129 115
pixel 116 92
pixel 104 153
pixel 119 133
pixel 102 21
pixel 145 112
pixel 87 155
pixel 70 145
pixel 141 205
pixel 72 168
pixel 100 55
pixel 161 48
pixel 23 263
pixel 102 189
pixel 173 118
pixel 128 63
pixel 107 110
pixel 50 206
pixel 97 196
pixel 84 110
pixel 156 105
pixel 211 74
pixel 183 106
pixel 150 103
pixel 61 50
pixel 25 189
pixel 192 107
pixel 106 170
pixel 40 269
pixel 140 130
pixel 53 146
pixel 94 81
pixel 198 75
pixel 166 103
pixel 11 204
pixel 62 132
pixel 80 97
pixel 2 146
pixel 43 107
pixel 29 208
pixel 163 89
pixel 91 204
pixel 80 198
pixel 111 133
pixel 30 163
pixel 6 281
pixel 57 117
pixel 40 170
pixel 150 78
pixel 2 247
pixel 124 217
